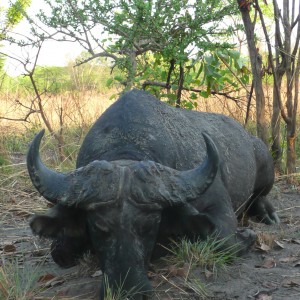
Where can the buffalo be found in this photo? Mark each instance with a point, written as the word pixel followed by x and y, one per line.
pixel 147 173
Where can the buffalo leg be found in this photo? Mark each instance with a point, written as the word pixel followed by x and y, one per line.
pixel 261 209
pixel 223 221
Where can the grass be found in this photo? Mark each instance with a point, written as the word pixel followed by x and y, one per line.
pixel 198 287
pixel 118 293
pixel 18 282
pixel 212 253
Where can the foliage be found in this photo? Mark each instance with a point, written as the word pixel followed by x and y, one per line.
pixel 168 41
pixel 12 15
pixel 92 76
pixel 51 79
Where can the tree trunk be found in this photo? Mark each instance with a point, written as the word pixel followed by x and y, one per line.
pixel 276 116
pixel 275 127
pixel 288 64
pixel 291 126
pixel 256 67
pixel 131 68
pixel 180 86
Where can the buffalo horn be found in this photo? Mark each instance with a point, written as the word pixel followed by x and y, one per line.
pixel 203 175
pixel 192 183
pixel 50 184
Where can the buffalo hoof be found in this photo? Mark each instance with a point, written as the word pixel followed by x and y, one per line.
pixel 263 211
pixel 270 218
pixel 246 238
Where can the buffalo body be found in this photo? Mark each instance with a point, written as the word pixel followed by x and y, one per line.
pixel 147 172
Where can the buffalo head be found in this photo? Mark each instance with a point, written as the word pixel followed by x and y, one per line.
pixel 114 209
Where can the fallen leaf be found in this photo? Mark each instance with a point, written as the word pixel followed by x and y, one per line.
pixel 208 274
pixel 288 259
pixel 172 271
pixel 263 295
pixel 289 282
pixel 270 285
pixel 295 241
pixel 97 274
pixel 263 247
pixel 279 244
pixel 54 281
pixel 181 272
pixel 23 214
pixel 297 264
pixel 269 263
pixel 184 271
pixel 46 278
pixel 9 248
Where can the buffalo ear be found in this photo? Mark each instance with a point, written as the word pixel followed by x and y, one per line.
pixel 58 221
pixel 197 224
pixel 45 226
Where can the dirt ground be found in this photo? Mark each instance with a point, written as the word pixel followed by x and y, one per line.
pixel 271 270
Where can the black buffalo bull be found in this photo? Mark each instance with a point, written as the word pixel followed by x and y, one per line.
pixel 147 172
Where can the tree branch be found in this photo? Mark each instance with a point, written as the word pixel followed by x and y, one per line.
pixel 164 85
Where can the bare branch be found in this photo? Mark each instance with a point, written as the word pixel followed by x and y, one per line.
pixel 25 119
pixel 102 54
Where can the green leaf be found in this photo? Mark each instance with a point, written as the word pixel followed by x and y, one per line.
pixel 164 75
pixel 234 54
pixel 245 79
pixel 109 82
pixel 170 96
pixel 193 96
pixel 188 105
pixel 119 78
pixel 113 97
pixel 240 63
pixel 204 94
pixel 200 70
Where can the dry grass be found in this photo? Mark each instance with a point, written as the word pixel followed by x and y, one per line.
pixel 73 109
pixel 81 109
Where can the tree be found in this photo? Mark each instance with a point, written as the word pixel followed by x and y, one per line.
pixel 287 63
pixel 256 67
pixel 287 66
pixel 140 36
